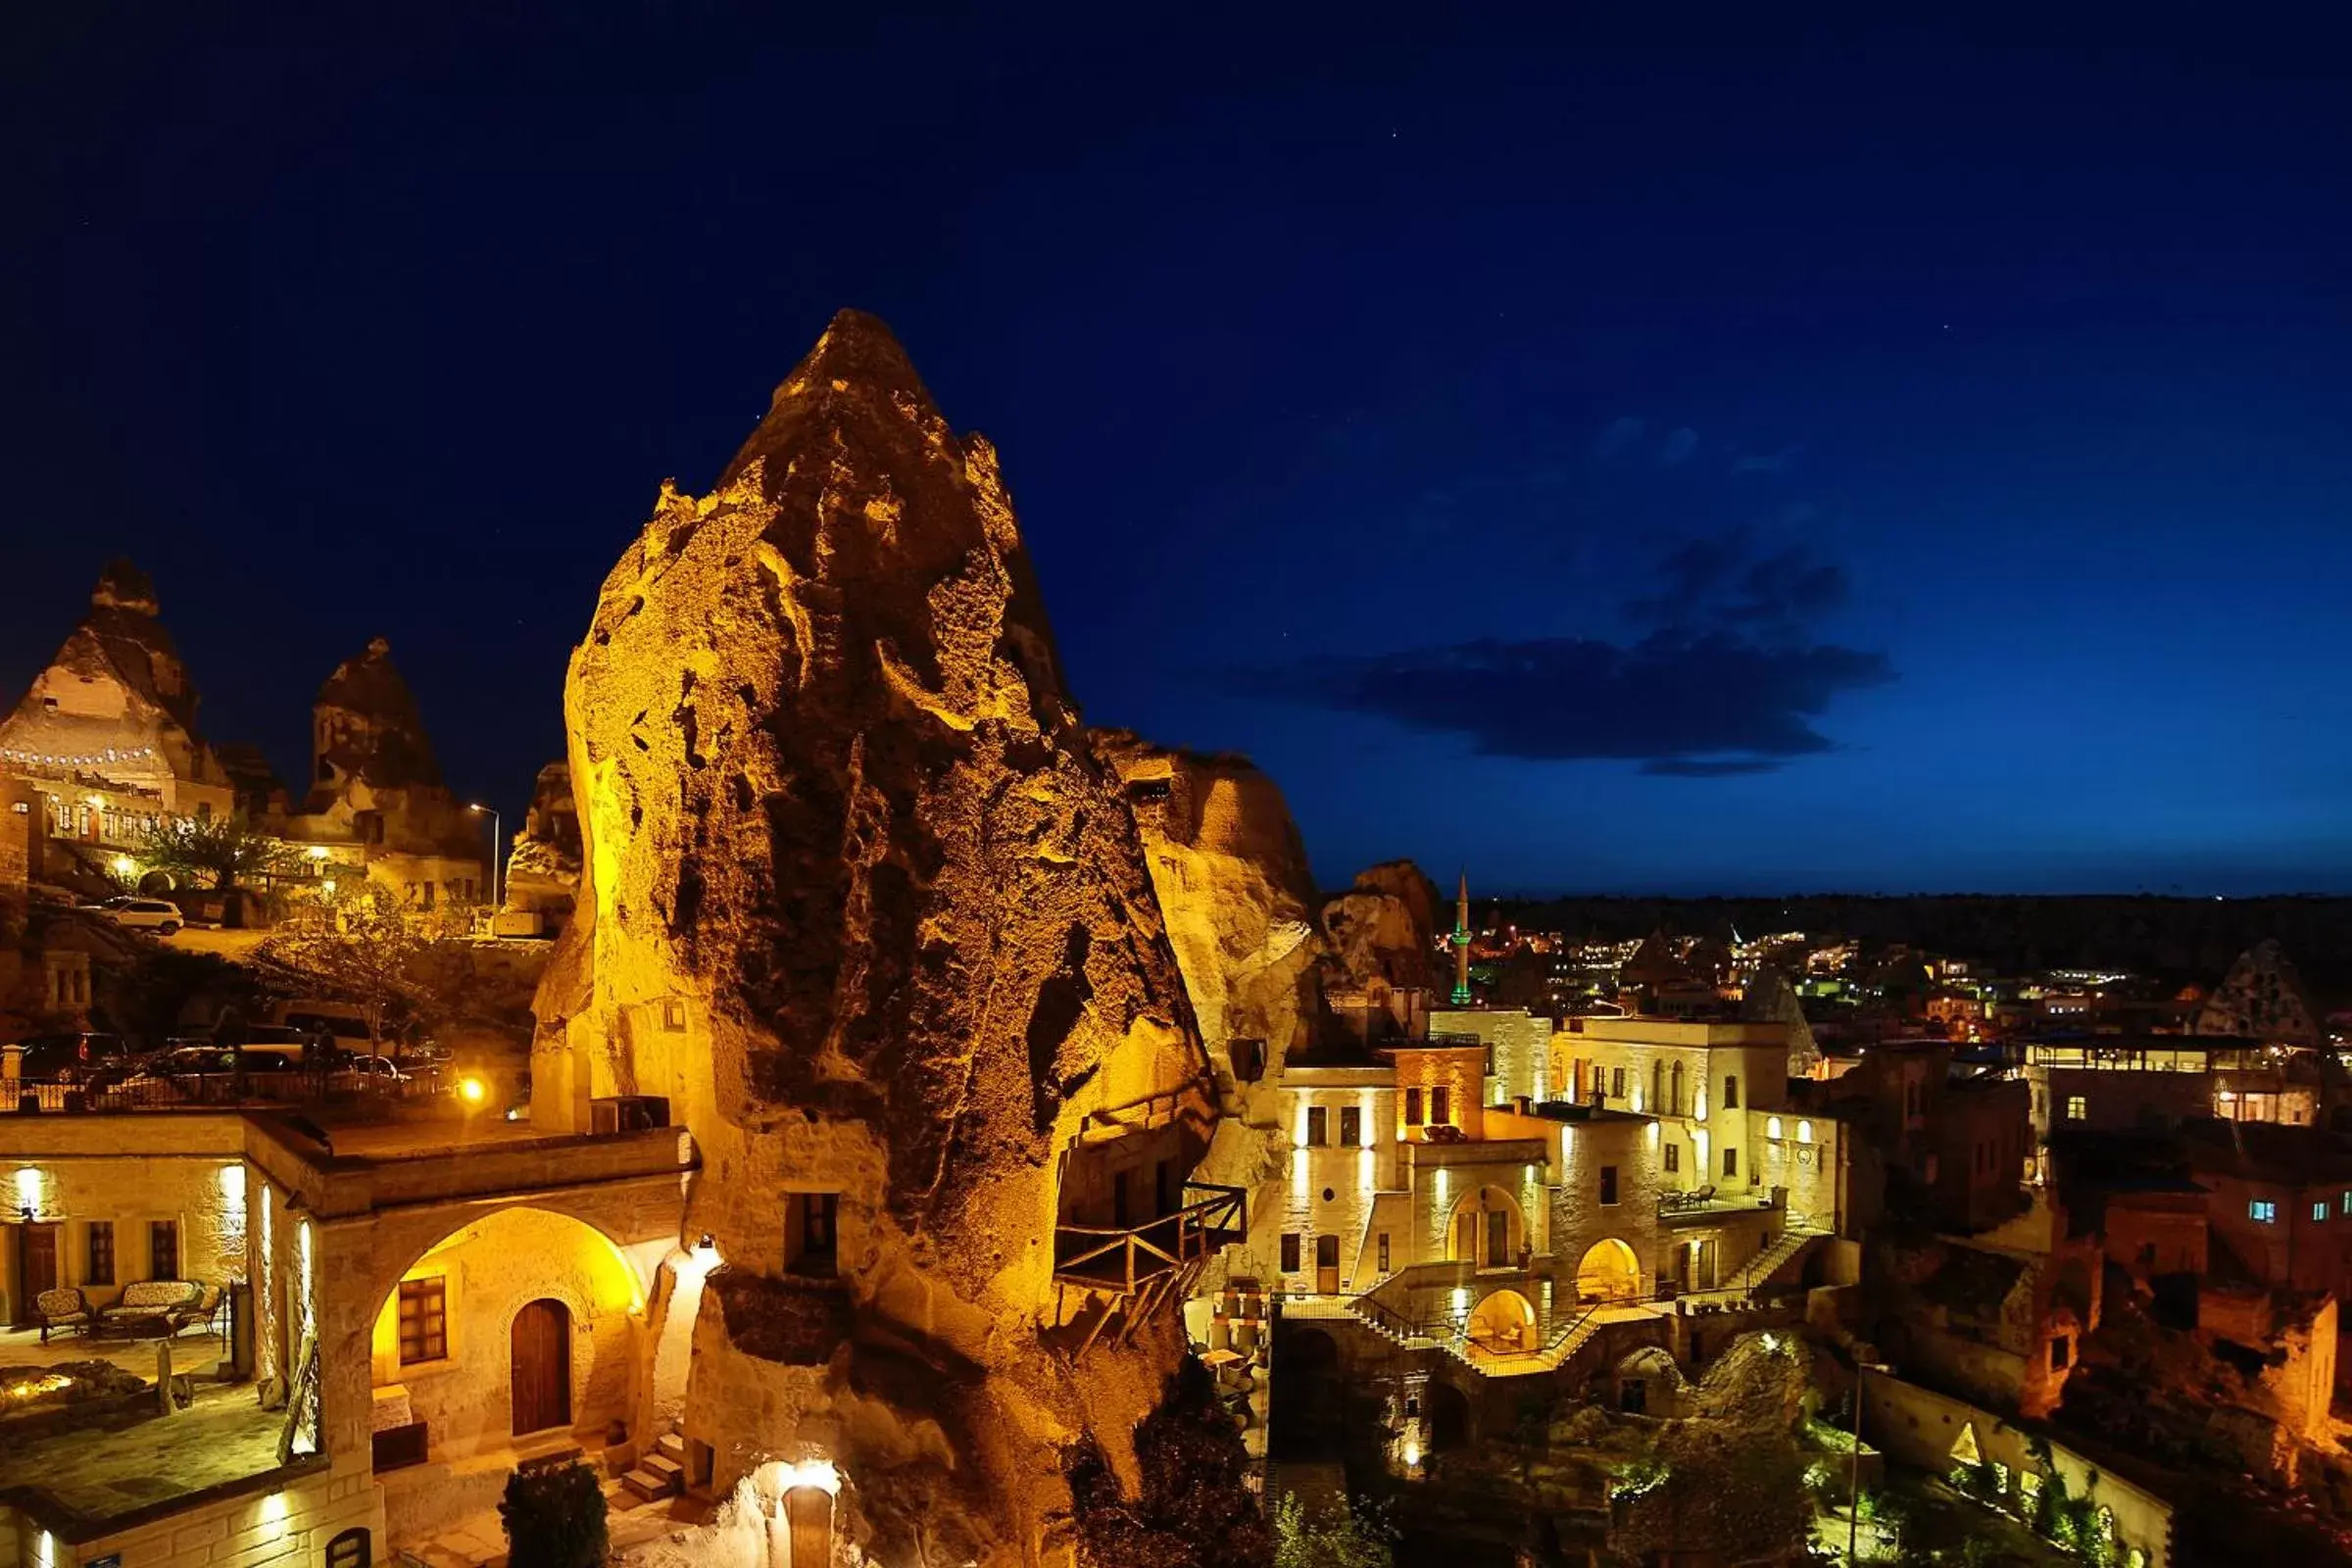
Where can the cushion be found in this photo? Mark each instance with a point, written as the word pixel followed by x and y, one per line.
pixel 158 1296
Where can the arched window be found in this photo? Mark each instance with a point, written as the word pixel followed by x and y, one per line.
pixel 1804 1132
pixel 1772 1127
pixel 350 1549
pixel 1657 1087
pixel 1674 1102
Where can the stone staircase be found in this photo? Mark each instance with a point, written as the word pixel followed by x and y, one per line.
pixel 661 1473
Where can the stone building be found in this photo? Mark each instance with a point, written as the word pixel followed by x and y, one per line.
pixel 412 1324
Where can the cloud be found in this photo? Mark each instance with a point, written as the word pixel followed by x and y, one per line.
pixel 1767 462
pixel 1724 675
pixel 1678 446
pixel 1620 434
pixel 1708 706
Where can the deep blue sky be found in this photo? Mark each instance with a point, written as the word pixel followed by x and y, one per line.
pixel 1733 458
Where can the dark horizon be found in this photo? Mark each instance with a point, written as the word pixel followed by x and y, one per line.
pixel 1615 456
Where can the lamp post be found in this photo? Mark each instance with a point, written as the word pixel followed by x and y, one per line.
pixel 495 840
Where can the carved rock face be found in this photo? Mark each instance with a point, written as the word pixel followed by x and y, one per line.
pixel 832 771
pixel 846 837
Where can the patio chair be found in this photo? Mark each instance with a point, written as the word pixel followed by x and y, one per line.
pixel 202 1310
pixel 62 1308
pixel 1705 1194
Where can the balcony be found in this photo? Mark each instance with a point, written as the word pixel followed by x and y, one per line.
pixel 1706 1205
pixel 1120 1260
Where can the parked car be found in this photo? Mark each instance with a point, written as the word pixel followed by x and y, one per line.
pixel 158 916
pixel 347 1022
pixel 369 1071
pixel 72 1058
pixel 189 1069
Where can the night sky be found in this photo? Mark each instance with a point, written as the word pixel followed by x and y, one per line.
pixel 1724 458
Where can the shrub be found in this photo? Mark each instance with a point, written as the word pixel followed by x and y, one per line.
pixel 554 1518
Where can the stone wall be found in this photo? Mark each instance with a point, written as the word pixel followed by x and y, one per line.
pixel 203 1196
pixel 1923 1428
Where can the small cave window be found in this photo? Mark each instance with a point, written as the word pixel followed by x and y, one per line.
pixel 673 1015
pixel 810 1235
pixel 353 1549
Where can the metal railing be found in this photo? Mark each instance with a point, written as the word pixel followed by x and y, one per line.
pixel 289 1087
pixel 1106 1255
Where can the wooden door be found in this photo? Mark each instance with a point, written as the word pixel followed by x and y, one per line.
pixel 1499 1238
pixel 1327 1264
pixel 541 1342
pixel 37 1267
pixel 808 1516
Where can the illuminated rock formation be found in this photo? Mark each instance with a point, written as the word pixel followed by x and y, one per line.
pixel 116 707
pixel 1386 926
pixel 543 872
pixel 2262 998
pixel 376 783
pixel 366 728
pixel 862 903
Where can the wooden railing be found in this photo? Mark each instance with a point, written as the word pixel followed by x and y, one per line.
pixel 1113 1258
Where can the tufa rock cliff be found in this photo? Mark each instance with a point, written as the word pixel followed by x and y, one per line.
pixel 1386 927
pixel 1231 874
pixel 369 729
pixel 861 898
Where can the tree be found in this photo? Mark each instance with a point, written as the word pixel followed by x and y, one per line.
pixel 554 1518
pixel 217 851
pixel 362 949
pixel 1337 1536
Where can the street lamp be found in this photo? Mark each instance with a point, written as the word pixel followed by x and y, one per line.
pixel 495 840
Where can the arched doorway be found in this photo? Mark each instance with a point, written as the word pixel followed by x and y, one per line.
pixel 1503 1323
pixel 1448 1417
pixel 541 1342
pixel 1485 1230
pixel 1609 1272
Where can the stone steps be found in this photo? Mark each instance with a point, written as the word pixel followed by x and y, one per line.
pixel 655 1477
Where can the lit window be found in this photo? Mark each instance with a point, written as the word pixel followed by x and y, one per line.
pixel 2076 1107
pixel 1772 1126
pixel 2319 1210
pixel 2263 1211
pixel 423 1320
pixel 2347 1203
pixel 1804 1132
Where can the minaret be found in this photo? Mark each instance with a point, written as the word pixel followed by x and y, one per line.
pixel 1461 942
